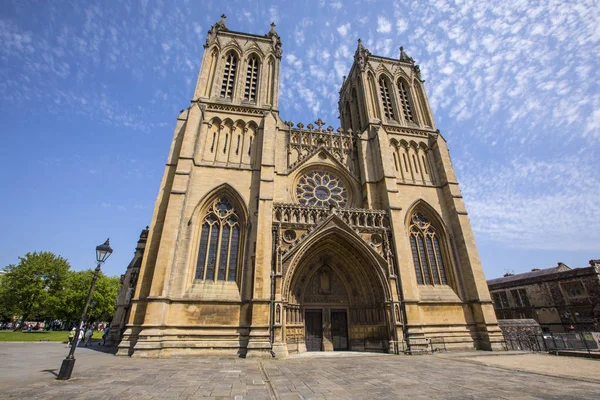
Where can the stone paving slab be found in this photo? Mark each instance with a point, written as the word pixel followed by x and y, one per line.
pixel 28 371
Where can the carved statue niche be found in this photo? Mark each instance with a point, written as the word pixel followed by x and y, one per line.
pixel 325 280
pixel 325 286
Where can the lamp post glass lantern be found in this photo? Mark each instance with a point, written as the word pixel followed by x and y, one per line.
pixel 103 251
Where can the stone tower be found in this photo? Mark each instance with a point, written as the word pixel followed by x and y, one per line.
pixel 269 238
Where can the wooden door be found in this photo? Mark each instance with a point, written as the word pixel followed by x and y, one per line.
pixel 339 330
pixel 313 322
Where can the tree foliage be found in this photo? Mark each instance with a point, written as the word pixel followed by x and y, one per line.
pixel 103 298
pixel 6 309
pixel 42 287
pixel 31 287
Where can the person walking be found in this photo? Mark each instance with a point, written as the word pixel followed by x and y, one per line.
pixel 88 336
pixel 105 335
pixel 80 337
pixel 71 336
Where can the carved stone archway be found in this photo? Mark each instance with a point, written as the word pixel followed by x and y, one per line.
pixel 337 279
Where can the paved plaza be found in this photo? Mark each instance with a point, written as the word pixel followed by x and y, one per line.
pixel 28 370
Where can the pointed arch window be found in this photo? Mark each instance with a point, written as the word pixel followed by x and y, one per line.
pixel 229 75
pixel 251 79
pixel 426 250
pixel 219 249
pixel 386 98
pixel 356 109
pixel 404 101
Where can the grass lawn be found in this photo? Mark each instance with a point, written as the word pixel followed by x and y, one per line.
pixel 54 336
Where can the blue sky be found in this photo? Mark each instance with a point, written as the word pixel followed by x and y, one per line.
pixel 89 93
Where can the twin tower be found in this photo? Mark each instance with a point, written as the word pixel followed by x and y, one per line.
pixel 270 238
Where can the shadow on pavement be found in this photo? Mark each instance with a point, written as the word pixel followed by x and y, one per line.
pixel 96 346
pixel 50 371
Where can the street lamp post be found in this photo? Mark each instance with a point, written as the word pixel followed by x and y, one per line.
pixel 103 251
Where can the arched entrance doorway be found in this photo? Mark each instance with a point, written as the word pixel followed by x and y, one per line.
pixel 336 296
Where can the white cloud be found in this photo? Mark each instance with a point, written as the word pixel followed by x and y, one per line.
pixel 401 25
pixel 343 29
pixel 336 5
pixel 383 25
pixel 273 14
pixel 518 208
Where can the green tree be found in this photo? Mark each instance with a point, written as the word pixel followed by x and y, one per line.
pixel 6 309
pixel 31 289
pixel 103 299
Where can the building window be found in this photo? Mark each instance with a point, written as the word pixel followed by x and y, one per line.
pixel 496 300
pixel 321 189
pixel 386 98
pixel 251 79
pixel 520 297
pixel 573 289
pixel 404 101
pixel 427 253
pixel 229 76
pixel 219 243
pixel 500 300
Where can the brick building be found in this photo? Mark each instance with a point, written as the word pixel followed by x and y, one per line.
pixel 560 299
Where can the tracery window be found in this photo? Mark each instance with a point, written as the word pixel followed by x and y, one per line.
pixel 219 243
pixel 229 76
pixel 426 251
pixel 321 188
pixel 386 98
pixel 404 101
pixel 251 79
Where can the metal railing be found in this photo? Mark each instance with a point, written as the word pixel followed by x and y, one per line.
pixel 429 345
pixel 552 342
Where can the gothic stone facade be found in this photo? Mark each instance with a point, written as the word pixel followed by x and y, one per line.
pixel 269 237
pixel 125 294
pixel 560 299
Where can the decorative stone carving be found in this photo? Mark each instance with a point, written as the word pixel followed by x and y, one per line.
pixel 371 225
pixel 320 123
pixel 276 41
pixel 325 286
pixel 361 55
pixel 289 235
pixel 303 144
pixel 406 131
pixel 404 57
pixel 235 109
pixel 214 30
pixel 417 71
pixel 321 188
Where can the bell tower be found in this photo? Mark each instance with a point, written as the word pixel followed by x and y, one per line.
pixel 203 270
pixel 405 167
pixel 240 68
pixel 384 90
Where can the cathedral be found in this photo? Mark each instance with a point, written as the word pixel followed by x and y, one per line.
pixel 270 238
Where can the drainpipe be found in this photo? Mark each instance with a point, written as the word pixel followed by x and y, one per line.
pixel 401 298
pixel 402 309
pixel 273 272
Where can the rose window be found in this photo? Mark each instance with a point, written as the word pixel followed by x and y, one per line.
pixel 320 188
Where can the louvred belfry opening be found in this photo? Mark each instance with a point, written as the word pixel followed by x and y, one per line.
pixel 404 101
pixel 229 76
pixel 251 79
pixel 386 98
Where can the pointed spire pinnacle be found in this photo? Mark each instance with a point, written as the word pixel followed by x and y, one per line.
pixel 405 57
pixel 214 30
pixel 276 40
pixel 222 21
pixel 361 55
